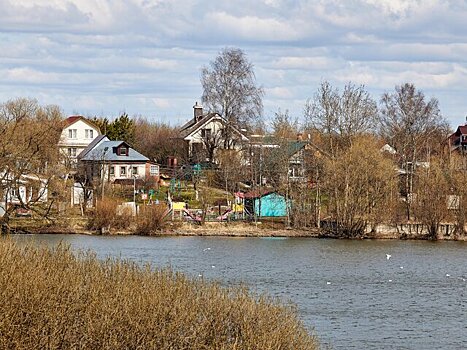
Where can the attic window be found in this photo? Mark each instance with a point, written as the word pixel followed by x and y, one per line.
pixel 122 151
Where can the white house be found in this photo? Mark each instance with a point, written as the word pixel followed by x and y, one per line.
pixel 27 189
pixel 209 130
pixel 77 134
pixel 113 161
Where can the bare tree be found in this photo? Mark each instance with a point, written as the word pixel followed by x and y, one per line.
pixel 341 117
pixel 158 140
pixel 28 148
pixel 284 126
pixel 230 89
pixel 360 187
pixel 413 126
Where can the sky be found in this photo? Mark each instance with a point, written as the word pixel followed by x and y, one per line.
pixel 143 57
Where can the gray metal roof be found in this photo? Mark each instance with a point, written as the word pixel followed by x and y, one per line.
pixel 106 151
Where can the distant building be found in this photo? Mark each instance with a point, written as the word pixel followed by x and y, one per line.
pixel 116 162
pixel 78 132
pixel 205 133
pixel 458 140
pixel 265 204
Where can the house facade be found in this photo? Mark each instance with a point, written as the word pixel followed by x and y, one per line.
pixel 25 190
pixel 114 161
pixel 205 133
pixel 457 141
pixel 77 134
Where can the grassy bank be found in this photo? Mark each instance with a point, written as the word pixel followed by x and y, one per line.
pixel 55 299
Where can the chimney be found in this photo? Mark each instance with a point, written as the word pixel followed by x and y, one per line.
pixel 197 111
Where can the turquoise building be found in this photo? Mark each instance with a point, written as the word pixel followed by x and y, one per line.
pixel 271 205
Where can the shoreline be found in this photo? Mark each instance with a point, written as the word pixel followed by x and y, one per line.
pixel 240 230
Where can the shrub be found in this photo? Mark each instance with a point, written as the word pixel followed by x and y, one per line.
pixel 105 215
pixel 151 219
pixel 54 299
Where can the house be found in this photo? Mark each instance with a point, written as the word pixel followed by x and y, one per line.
pixel 116 162
pixel 78 132
pixel 25 190
pixel 265 204
pixel 205 133
pixel 276 153
pixel 457 141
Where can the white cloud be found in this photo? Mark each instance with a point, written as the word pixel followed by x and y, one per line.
pixel 144 56
pixel 253 28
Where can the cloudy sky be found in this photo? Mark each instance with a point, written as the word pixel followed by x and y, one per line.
pixel 143 57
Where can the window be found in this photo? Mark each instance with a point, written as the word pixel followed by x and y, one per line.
pixel 122 151
pixel 154 170
pixel 206 133
pixel 89 133
pixel 112 171
pixel 72 133
pixel 135 170
pixel 72 152
pixel 122 171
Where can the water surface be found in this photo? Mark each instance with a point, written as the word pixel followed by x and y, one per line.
pixel 353 296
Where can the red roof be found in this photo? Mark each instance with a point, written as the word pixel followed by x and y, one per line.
pixel 74 118
pixel 462 129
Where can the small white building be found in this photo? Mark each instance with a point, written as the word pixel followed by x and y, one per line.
pixel 77 134
pixel 25 190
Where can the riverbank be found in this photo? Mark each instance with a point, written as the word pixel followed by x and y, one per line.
pixel 232 229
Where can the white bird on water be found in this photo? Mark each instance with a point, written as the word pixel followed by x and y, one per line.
pixel 388 256
pixel 328 282
pixel 448 275
pixel 206 249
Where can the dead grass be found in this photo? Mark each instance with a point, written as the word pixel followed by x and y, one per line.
pixel 54 299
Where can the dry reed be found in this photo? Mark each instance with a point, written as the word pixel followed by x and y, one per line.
pixel 151 219
pixel 53 298
pixel 106 216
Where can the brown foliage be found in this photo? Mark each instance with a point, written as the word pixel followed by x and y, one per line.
pixel 151 219
pixel 105 215
pixel 158 140
pixel 361 185
pixel 54 299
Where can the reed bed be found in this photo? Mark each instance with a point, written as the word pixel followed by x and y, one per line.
pixel 53 298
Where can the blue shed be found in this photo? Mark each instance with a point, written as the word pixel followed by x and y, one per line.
pixel 272 205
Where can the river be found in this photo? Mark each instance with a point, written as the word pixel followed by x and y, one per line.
pixel 350 292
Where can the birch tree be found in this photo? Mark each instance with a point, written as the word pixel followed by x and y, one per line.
pixel 230 88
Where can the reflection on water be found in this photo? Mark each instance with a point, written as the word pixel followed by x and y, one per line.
pixel 349 291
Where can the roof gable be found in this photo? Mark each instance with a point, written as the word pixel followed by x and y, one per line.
pixel 74 118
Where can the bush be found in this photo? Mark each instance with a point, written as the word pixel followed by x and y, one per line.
pixel 54 299
pixel 151 219
pixel 105 216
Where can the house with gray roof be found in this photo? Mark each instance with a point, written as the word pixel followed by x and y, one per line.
pixel 116 162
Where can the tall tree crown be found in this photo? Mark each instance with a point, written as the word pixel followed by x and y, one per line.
pixel 230 89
